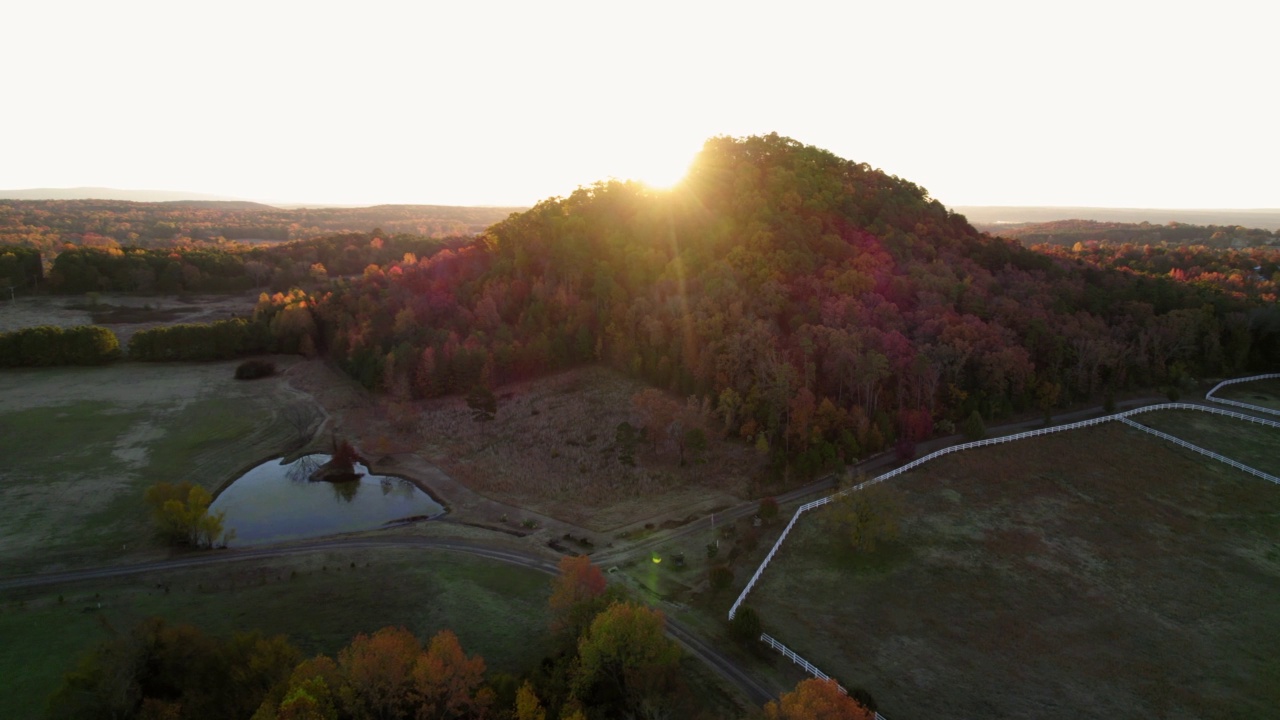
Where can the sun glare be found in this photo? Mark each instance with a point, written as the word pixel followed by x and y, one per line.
pixel 661 171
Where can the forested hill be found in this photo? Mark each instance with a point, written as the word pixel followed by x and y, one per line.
pixel 817 306
pixel 1069 232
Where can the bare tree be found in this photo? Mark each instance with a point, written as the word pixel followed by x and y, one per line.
pixel 300 417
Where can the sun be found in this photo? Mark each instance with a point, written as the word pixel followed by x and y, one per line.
pixel 659 169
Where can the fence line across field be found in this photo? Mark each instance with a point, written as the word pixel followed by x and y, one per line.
pixel 1256 408
pixel 1121 416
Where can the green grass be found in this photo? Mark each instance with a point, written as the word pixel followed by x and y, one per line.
pixel 319 601
pixel 1264 393
pixel 199 433
pixel 1245 442
pixel 80 447
pixel 1101 572
pixel 62 438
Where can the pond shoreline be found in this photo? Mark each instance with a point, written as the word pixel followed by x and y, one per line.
pixel 279 500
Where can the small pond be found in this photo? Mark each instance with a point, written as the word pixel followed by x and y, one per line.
pixel 275 501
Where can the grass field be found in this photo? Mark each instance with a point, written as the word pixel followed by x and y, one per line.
pixel 1101 572
pixel 81 445
pixel 319 600
pixel 1250 443
pixel 1264 393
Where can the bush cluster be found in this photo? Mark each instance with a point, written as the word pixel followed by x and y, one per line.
pixel 254 369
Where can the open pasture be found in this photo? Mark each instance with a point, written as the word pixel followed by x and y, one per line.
pixel 1246 442
pixel 1100 572
pixel 81 445
pixel 1263 393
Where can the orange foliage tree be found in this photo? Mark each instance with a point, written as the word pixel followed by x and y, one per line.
pixel 816 700
pixel 377 672
pixel 448 683
pixel 573 594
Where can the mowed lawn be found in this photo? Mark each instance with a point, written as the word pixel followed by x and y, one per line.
pixel 80 446
pixel 319 600
pixel 1100 573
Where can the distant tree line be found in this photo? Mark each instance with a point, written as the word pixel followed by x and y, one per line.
pixel 227 268
pixel 49 345
pixel 50 225
pixel 220 340
pixel 1070 232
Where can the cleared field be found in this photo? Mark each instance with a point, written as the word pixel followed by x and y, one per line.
pixel 1098 573
pixel 81 445
pixel 1250 443
pixel 1264 393
pixel 320 601
pixel 551 448
pixel 122 314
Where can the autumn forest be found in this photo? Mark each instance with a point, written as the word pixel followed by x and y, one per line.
pixel 779 298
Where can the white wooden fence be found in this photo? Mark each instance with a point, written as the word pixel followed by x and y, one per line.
pixel 1123 417
pixel 1202 451
pixel 1256 408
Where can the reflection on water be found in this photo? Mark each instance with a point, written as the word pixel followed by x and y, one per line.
pixel 275 501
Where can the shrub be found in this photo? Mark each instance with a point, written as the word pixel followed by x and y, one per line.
pixel 344 456
pixel 974 428
pixel 745 626
pixel 254 369
pixel 721 577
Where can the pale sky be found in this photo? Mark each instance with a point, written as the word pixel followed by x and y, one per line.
pixel 1118 103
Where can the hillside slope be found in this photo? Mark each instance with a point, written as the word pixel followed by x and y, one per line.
pixel 819 308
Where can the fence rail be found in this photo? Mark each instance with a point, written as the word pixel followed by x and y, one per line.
pixel 1199 408
pixel 796 659
pixel 1202 451
pixel 1122 417
pixel 1256 408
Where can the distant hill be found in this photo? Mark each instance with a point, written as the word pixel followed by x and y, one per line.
pixel 101 193
pixel 990 217
pixel 1070 232
pixel 217 204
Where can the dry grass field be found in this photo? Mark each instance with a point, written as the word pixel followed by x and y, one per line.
pixel 551 448
pixel 1101 573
